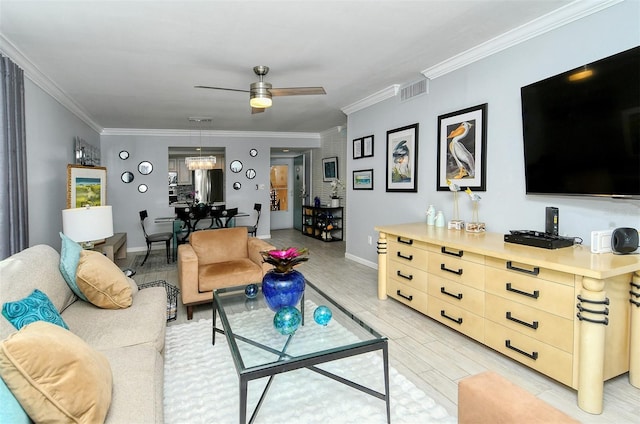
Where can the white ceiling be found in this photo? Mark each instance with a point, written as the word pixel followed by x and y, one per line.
pixel 133 64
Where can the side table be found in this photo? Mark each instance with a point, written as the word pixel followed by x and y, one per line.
pixel 114 247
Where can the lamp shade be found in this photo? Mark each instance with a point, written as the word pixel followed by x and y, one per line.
pixel 87 224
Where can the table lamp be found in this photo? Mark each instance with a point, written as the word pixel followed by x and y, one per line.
pixel 88 225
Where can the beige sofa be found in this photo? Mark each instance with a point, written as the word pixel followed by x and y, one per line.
pixel 131 339
pixel 219 258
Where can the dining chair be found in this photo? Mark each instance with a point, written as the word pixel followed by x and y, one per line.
pixel 253 229
pixel 229 214
pixel 154 238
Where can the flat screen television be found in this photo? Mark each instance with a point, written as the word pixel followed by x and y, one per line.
pixel 581 130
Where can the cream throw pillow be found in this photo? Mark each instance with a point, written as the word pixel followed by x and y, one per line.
pixel 55 375
pixel 102 282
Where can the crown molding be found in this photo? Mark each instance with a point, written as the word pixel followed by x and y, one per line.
pixel 371 100
pixel 560 17
pixel 47 85
pixel 209 133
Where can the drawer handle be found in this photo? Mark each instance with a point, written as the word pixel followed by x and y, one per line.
pixel 533 325
pixel 406 277
pixel 409 298
pixel 533 355
pixel 535 294
pixel 459 253
pixel 534 271
pixel 409 258
pixel 456 320
pixel 457 296
pixel 401 240
pixel 444 268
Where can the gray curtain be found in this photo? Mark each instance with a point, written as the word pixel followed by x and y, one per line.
pixel 14 223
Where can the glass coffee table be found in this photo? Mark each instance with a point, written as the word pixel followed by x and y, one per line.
pixel 259 351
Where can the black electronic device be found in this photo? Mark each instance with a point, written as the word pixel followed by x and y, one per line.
pixel 624 240
pixel 551 222
pixel 538 239
pixel 581 130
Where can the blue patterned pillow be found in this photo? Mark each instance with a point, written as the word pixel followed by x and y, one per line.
pixel 35 307
pixel 69 257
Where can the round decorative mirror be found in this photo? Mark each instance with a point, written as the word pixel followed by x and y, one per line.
pixel 236 166
pixel 142 188
pixel 253 153
pixel 123 154
pixel 126 177
pixel 237 186
pixel 251 173
pixel 145 167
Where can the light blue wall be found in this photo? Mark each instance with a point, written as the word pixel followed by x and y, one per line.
pixel 127 201
pixel 495 80
pixel 50 131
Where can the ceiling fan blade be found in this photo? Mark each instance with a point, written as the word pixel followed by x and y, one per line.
pixel 257 110
pixel 296 91
pixel 220 88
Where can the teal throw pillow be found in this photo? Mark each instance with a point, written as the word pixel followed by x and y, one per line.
pixel 35 307
pixel 11 411
pixel 69 257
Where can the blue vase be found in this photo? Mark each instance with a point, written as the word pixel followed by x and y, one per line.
pixel 282 289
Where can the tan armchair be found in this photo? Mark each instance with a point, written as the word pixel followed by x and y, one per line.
pixel 219 258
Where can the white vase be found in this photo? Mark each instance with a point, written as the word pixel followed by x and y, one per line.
pixel 335 203
pixel 439 221
pixel 431 215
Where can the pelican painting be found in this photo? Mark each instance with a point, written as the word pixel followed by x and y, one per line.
pixel 463 158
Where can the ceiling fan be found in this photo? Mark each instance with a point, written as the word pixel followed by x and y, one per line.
pixel 260 92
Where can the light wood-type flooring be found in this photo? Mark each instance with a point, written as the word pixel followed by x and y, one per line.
pixel 430 354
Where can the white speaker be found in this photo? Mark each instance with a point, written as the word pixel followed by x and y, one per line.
pixel 601 241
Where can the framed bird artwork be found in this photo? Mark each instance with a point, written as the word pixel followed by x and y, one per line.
pixel 462 144
pixel 402 163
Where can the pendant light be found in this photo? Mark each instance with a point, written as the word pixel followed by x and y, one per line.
pixel 200 162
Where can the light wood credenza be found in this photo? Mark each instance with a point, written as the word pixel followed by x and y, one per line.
pixel 567 313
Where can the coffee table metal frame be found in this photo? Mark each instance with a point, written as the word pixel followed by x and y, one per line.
pixel 287 362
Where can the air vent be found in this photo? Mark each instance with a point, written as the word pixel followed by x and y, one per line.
pixel 413 90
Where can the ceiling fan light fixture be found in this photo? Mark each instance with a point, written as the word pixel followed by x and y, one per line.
pixel 260 102
pixel 259 95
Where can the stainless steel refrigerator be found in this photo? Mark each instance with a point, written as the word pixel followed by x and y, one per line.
pixel 209 183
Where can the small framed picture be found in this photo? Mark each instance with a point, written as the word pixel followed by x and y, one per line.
pixel 402 155
pixel 367 146
pixel 357 148
pixel 86 185
pixel 462 144
pixel 363 179
pixel 330 169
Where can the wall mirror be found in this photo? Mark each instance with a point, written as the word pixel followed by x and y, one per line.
pixel 253 153
pixel 237 186
pixel 142 188
pixel 251 173
pixel 236 166
pixel 123 154
pixel 127 177
pixel 145 167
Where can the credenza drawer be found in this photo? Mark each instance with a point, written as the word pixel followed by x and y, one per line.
pixel 540 356
pixel 457 253
pixel 548 296
pixel 548 328
pixel 408 295
pixel 456 269
pixel 408 275
pixel 457 294
pixel 513 267
pixel 413 255
pixel 457 318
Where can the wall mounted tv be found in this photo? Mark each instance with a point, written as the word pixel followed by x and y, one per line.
pixel 581 130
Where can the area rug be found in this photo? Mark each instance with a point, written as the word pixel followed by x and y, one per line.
pixel 157 261
pixel 201 385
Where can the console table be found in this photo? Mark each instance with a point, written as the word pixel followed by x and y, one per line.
pixel 114 247
pixel 567 313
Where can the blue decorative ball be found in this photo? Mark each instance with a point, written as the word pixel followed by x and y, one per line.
pixel 287 320
pixel 322 315
pixel 251 291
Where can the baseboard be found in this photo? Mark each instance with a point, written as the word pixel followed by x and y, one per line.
pixel 361 261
